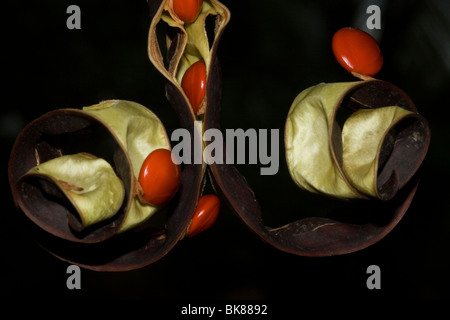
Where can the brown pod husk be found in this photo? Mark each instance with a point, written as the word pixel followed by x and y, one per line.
pixel 115 244
pixel 185 44
pixel 353 225
pixel 137 247
pixel 105 246
pixel 349 230
pixel 46 138
pixel 116 254
pixel 380 146
pixel 101 247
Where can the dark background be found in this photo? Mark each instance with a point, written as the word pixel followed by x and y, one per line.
pixel 269 53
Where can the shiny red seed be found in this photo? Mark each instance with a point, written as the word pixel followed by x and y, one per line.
pixel 357 51
pixel 187 10
pixel 194 84
pixel 159 177
pixel 205 215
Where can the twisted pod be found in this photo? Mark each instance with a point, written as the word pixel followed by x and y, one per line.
pixel 74 173
pixel 375 157
pixel 378 150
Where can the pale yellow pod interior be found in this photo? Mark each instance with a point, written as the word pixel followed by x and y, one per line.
pixel 362 137
pixel 308 130
pixel 89 183
pixel 193 46
pixel 139 131
pixel 342 165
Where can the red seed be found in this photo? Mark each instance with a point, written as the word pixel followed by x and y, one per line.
pixel 187 10
pixel 159 177
pixel 194 84
pixel 205 215
pixel 356 51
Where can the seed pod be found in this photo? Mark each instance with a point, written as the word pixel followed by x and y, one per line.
pixel 311 124
pixel 122 133
pixel 126 239
pixel 313 236
pixel 185 45
pixel 121 127
pixel 89 183
pixel 366 160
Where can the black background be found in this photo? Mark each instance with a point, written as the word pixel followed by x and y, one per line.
pixel 270 52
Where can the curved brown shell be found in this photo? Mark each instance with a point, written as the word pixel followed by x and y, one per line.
pixel 353 225
pixel 52 135
pixel 100 247
pixel 67 131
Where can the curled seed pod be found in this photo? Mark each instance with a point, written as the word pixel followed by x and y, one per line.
pixel 185 45
pixel 89 184
pixel 354 225
pixel 313 236
pixel 315 150
pixel 126 239
pixel 122 133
